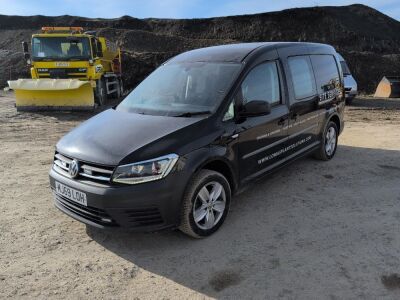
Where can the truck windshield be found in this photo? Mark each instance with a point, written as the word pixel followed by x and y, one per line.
pixel 60 48
pixel 182 89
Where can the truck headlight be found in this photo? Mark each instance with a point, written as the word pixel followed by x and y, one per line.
pixel 144 171
pixel 98 68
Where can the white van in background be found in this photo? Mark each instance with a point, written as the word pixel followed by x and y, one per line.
pixel 350 84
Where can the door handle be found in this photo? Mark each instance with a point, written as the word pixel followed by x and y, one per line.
pixel 229 137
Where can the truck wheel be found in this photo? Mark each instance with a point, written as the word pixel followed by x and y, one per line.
pixel 205 204
pixel 329 142
pixel 101 92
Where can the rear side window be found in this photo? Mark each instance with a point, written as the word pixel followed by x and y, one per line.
pixel 326 72
pixel 262 83
pixel 302 77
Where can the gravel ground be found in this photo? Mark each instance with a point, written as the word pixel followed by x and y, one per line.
pixel 315 230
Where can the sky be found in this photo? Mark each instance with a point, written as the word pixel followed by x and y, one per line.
pixel 174 8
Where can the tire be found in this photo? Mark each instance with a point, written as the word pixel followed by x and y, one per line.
pixel 101 92
pixel 193 201
pixel 329 143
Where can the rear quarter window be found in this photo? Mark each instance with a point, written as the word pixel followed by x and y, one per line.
pixel 326 72
pixel 302 77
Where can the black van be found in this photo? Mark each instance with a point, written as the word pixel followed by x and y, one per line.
pixel 195 131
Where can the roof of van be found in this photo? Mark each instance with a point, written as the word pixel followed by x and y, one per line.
pixel 235 52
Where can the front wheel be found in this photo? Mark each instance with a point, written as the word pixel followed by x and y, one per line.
pixel 329 142
pixel 101 92
pixel 205 205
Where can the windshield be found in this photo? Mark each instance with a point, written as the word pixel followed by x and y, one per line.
pixel 182 88
pixel 345 68
pixel 60 48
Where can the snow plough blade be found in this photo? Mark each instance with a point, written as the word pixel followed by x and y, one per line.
pixel 52 94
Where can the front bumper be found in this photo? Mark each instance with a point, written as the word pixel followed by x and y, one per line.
pixel 351 94
pixel 148 206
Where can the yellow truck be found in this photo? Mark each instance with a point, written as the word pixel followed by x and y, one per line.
pixel 71 70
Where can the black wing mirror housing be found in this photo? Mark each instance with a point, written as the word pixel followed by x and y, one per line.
pixel 25 50
pixel 255 108
pixel 25 47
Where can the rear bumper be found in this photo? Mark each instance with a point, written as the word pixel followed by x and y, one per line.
pixel 149 206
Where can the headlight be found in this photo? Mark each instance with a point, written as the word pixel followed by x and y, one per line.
pixel 145 171
pixel 98 68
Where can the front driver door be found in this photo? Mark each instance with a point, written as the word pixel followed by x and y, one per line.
pixel 262 138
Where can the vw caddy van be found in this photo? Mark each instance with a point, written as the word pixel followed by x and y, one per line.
pixel 198 129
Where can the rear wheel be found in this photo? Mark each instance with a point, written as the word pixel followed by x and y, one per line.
pixel 329 142
pixel 205 205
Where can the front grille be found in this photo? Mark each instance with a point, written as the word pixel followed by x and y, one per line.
pixel 62 70
pixel 143 217
pixel 348 89
pixel 86 170
pixel 93 214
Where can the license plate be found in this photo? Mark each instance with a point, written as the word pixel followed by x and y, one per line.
pixel 71 194
pixel 62 64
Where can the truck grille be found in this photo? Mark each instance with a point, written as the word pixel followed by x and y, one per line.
pixel 62 72
pixel 96 173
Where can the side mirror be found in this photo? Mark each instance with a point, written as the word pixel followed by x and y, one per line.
pixel 25 50
pixel 25 47
pixel 255 108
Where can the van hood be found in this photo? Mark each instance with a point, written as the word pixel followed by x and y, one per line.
pixel 349 82
pixel 111 136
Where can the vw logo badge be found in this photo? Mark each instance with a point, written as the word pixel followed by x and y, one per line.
pixel 73 169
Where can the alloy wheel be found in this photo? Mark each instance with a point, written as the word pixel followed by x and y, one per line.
pixel 209 205
pixel 330 141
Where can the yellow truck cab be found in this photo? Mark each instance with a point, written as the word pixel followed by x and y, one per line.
pixel 70 69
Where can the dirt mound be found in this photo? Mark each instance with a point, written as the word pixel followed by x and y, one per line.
pixel 368 39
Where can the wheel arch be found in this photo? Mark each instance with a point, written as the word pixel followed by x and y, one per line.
pixel 335 119
pixel 220 165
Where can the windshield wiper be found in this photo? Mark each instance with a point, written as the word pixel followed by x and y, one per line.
pixel 76 57
pixel 45 58
pixel 194 113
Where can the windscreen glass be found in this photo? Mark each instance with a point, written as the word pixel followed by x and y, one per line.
pixel 345 68
pixel 60 48
pixel 181 88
